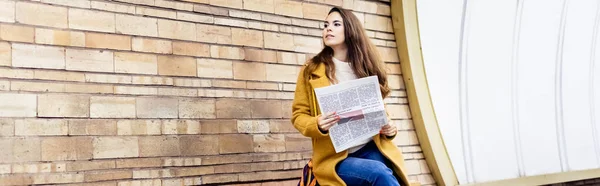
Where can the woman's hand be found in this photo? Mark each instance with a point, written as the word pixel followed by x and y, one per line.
pixel 389 130
pixel 327 121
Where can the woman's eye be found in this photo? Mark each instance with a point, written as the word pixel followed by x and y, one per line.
pixel 337 24
pixel 326 25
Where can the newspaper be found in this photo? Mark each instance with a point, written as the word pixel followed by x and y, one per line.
pixel 360 107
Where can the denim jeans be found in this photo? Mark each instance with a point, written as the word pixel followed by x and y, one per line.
pixel 366 166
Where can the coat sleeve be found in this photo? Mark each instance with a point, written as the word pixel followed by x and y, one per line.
pixel 301 109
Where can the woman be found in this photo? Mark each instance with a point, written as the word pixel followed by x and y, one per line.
pixel 348 54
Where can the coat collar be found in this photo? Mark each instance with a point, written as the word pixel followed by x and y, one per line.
pixel 320 79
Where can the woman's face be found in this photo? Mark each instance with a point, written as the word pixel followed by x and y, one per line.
pixel 333 31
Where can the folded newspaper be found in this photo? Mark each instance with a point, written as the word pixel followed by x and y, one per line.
pixel 360 107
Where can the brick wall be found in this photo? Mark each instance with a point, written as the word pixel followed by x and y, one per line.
pixel 164 92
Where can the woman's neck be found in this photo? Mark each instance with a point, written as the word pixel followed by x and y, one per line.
pixel 340 53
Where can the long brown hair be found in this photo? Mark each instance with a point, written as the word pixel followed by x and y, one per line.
pixel 362 54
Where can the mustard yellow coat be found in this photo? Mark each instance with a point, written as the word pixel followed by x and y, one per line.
pixel 304 117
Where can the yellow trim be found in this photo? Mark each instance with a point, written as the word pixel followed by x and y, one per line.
pixel 544 179
pixel 406 30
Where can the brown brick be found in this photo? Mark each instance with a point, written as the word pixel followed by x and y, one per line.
pixel 297 142
pixel 137 90
pixel 211 10
pixel 263 26
pixel 276 19
pixel 213 34
pixel 304 44
pixel 5 53
pixel 151 45
pixel 107 78
pixel 154 12
pixel 286 107
pixel 267 166
pixel 260 55
pixel 231 22
pixel 7 127
pixel 36 56
pixel 388 54
pixel 59 75
pixel 89 60
pixel 232 168
pixel 283 73
pixel 41 127
pixel 112 107
pixel 57 178
pixel 399 111
pixel 249 71
pixel 94 127
pixel 314 11
pixel 219 178
pixel 151 80
pixel 18 105
pixel 269 143
pixel 218 126
pixel 79 4
pixel 16 33
pixel 395 82
pixel 264 109
pixel 247 37
pixel 176 30
pixel 198 18
pixel 66 148
pixel 365 6
pixel 393 68
pixel 288 8
pixel 88 88
pixel 214 68
pixel 189 82
pixel 227 3
pixel 174 5
pixel 226 52
pixel 91 20
pixel 233 108
pixel 113 7
pixel 176 66
pixel 177 92
pixel 253 126
pixel 42 15
pixel 267 6
pixel 108 175
pixel 191 49
pixel 180 127
pixel 378 23
pixel 36 86
pixel 90 165
pixel 274 41
pixel 262 86
pixel 151 146
pixel 229 84
pixel 115 147
pixel 235 143
pixel 244 14
pixel 138 163
pixel 138 127
pixel 136 25
pixel 127 62
pixel 194 145
pixel 109 41
pixel 156 107
pixel 7 11
pixel 196 108
pixel 277 126
pixel 24 150
pixel 4 85
pixel 63 106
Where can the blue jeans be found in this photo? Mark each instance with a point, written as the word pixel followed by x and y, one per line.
pixel 366 166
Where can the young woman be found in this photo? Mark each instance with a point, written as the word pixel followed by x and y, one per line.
pixel 348 55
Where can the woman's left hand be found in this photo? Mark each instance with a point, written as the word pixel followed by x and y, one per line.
pixel 389 130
